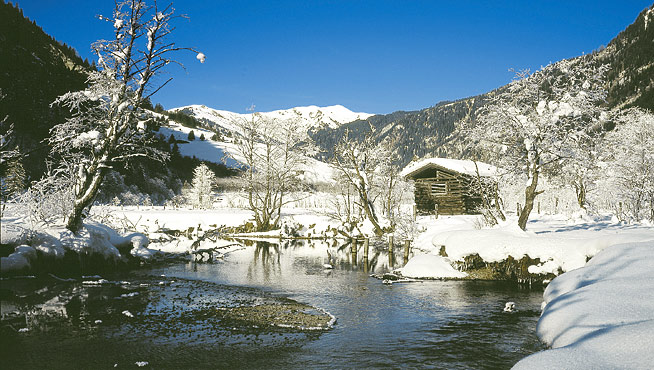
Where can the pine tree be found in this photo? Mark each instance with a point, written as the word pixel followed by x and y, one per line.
pixel 191 136
pixel 200 193
pixel 174 152
pixel 202 137
pixel 13 180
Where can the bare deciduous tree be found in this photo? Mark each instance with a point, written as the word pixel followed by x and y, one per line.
pixel 107 122
pixel 273 155
pixel 528 129
pixel 361 166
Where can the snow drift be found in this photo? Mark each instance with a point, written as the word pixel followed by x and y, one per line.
pixel 602 315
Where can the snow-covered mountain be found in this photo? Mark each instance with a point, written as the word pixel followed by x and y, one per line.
pixel 311 117
pixel 225 152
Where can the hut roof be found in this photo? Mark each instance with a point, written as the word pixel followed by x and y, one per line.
pixel 458 165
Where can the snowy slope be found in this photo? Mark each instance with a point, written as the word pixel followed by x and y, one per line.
pixel 315 172
pixel 308 117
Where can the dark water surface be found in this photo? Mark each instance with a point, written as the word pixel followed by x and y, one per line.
pixel 432 324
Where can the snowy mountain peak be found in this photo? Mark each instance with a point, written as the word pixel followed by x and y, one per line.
pixel 310 116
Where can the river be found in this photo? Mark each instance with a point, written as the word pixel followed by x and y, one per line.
pixel 164 317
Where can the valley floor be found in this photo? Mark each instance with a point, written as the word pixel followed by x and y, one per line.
pixel 598 313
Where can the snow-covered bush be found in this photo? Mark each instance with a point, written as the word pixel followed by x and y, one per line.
pixel 200 194
pixel 291 228
pixel 46 200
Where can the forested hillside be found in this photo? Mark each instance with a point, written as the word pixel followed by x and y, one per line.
pixel 34 70
pixel 429 132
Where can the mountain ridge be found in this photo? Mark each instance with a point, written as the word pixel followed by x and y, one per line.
pixel 432 131
pixel 309 117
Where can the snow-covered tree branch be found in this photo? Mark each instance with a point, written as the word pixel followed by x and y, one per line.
pixel 627 164
pixel 529 129
pixel 108 120
pixel 273 154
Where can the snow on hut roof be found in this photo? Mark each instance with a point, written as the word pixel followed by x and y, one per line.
pixel 458 165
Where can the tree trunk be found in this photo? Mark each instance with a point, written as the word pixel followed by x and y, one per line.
pixel 83 200
pixel 530 195
pixel 498 207
pixel 367 207
pixel 581 194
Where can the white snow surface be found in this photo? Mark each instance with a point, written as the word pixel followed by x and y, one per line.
pixel 600 316
pixel 459 165
pixel 429 266
pixel 53 240
pixel 206 150
pixel 559 242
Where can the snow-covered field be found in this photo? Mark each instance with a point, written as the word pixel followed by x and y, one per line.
pixel 560 242
pixel 595 316
pixel 600 316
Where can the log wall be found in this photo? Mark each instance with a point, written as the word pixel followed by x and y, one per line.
pixel 449 191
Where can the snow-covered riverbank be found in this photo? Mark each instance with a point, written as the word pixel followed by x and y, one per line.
pixel 601 315
pixel 560 243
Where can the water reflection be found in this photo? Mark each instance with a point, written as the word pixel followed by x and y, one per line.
pixel 436 324
pixel 352 255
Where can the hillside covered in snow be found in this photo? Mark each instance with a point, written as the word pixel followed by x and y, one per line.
pixel 311 117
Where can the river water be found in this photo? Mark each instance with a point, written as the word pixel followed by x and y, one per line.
pixel 170 323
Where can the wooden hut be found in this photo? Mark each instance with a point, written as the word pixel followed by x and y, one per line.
pixel 448 186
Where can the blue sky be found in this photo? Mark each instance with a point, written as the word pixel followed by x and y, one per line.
pixel 370 56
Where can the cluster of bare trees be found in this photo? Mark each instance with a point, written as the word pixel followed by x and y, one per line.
pixel 274 157
pixel 551 123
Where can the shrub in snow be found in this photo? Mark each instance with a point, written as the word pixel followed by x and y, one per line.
pixel 46 200
pixel 291 228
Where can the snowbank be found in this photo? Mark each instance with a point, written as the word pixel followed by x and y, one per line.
pixel 564 245
pixel 19 260
pixel 93 239
pixel 602 315
pixel 429 266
